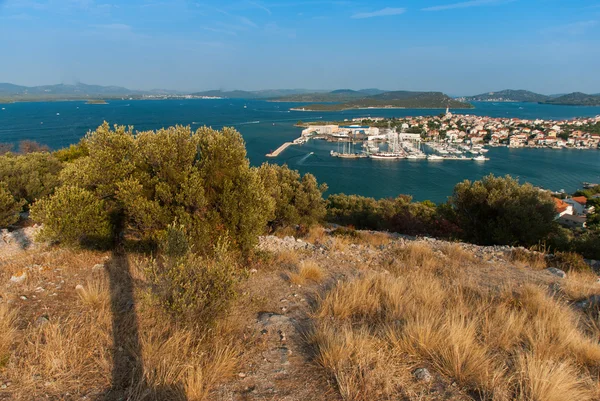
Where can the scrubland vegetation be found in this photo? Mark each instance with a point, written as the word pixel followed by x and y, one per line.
pixel 152 282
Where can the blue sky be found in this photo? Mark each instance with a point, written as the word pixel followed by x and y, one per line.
pixel 456 46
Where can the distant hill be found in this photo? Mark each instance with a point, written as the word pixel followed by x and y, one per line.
pixel 394 99
pixel 508 95
pixel 576 99
pixel 58 90
pixel 260 94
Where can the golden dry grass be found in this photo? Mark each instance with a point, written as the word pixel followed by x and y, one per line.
pixel 375 239
pixel 308 270
pixel 8 333
pixel 94 293
pixel 287 258
pixel 524 258
pixel 72 352
pixel 316 235
pixel 494 343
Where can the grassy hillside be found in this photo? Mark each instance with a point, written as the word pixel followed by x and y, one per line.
pixel 332 316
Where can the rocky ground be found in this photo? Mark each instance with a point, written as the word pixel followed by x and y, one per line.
pixel 274 312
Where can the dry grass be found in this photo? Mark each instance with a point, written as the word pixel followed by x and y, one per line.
pixel 287 258
pixel 8 333
pixel 375 239
pixel 524 258
pixel 94 294
pixel 70 356
pixel 499 344
pixel 316 235
pixel 309 270
pixel 457 255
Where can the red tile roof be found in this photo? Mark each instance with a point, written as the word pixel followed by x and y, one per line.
pixel 561 206
pixel 582 200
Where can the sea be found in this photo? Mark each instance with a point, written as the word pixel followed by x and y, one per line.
pixel 266 125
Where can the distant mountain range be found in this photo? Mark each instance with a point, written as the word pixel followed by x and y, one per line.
pixel 509 95
pixel 335 100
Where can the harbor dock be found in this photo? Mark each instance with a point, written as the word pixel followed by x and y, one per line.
pixel 280 149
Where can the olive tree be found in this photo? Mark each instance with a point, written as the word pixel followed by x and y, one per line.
pixel 499 210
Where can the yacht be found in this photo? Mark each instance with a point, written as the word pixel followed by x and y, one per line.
pixel 434 157
pixel 480 158
pixel 386 155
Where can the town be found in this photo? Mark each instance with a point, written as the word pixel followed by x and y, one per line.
pixel 450 136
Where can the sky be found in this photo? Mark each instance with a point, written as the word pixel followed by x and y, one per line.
pixel 460 47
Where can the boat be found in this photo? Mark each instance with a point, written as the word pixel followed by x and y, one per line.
pixel 434 157
pixel 484 150
pixel 480 158
pixel 386 155
pixel 348 155
pixel 588 185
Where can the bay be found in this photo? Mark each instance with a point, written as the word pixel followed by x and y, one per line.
pixel 266 125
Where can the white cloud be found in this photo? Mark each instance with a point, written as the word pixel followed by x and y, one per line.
pixel 466 4
pixel 380 13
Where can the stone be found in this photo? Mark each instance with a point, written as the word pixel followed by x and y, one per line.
pixel 42 321
pixel 556 272
pixel 423 375
pixel 253 271
pixel 241 375
pixel 591 302
pixel 23 297
pixel 98 267
pixel 19 278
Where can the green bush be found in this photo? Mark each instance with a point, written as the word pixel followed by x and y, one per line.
pixel 400 215
pixel 570 261
pixel 9 207
pixel 588 244
pixel 298 200
pixel 195 289
pixel 500 211
pixel 31 176
pixel 202 180
pixel 73 216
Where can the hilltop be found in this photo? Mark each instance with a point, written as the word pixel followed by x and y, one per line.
pixel 575 99
pixel 329 316
pixel 396 99
pixel 508 95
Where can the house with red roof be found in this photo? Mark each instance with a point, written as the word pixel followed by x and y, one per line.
pixel 578 203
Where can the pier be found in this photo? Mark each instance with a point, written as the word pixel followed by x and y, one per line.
pixel 280 149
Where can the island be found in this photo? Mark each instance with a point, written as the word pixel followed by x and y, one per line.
pixel 347 100
pixel 96 101
pixel 508 95
pixel 575 99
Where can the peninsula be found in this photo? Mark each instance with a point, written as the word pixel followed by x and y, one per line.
pixel 396 99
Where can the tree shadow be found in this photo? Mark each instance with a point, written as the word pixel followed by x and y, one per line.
pixel 128 381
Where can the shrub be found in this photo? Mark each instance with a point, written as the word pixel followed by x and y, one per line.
pixel 499 210
pixel 194 288
pixel 400 215
pixel 30 176
pixel 73 216
pixel 9 207
pixel 588 244
pixel 202 180
pixel 298 200
pixel 570 261
pixel 28 146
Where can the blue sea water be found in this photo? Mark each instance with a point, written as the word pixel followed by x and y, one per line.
pixel 266 125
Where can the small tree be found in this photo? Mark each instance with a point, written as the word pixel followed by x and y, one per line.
pixel 500 211
pixel 73 216
pixel 9 207
pixel 298 200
